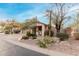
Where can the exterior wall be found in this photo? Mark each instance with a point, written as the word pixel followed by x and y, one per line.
pixel 43 28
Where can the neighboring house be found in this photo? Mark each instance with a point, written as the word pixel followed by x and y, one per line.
pixel 73 29
pixel 68 30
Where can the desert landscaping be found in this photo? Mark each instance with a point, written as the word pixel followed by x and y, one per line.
pixel 60 34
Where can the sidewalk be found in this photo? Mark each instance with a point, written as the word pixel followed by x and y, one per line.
pixel 31 46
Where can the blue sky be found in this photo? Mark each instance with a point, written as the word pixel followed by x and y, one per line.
pixel 22 11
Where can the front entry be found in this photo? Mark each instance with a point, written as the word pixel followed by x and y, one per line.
pixel 39 30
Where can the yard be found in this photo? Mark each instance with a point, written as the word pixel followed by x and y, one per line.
pixel 53 35
pixel 70 46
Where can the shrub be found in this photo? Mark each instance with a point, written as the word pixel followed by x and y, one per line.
pixel 46 33
pixel 33 35
pixel 7 29
pixel 76 35
pixel 7 32
pixel 28 34
pixel 45 42
pixel 48 40
pixel 42 44
pixel 16 31
pixel 62 36
pixel 25 37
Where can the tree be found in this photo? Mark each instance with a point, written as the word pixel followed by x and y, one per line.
pixel 29 23
pixel 2 24
pixel 8 28
pixel 58 15
pixel 76 20
pixel 11 25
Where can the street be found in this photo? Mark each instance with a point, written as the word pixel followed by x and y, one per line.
pixel 8 49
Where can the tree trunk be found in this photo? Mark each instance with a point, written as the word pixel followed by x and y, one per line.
pixel 58 28
pixel 49 32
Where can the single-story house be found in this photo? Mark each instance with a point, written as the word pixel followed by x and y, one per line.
pixel 40 27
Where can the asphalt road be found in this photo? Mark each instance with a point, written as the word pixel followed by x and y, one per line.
pixel 8 49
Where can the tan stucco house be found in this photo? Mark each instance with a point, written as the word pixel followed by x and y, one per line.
pixel 40 28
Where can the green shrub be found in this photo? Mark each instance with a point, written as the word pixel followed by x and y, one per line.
pixel 28 34
pixel 41 44
pixel 25 37
pixel 7 32
pixel 16 31
pixel 7 29
pixel 33 35
pixel 45 42
pixel 62 36
pixel 48 40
